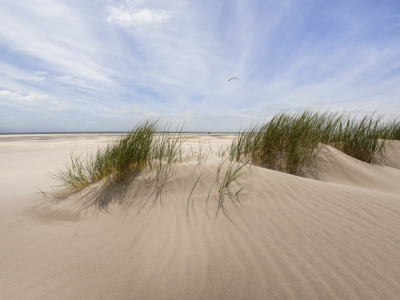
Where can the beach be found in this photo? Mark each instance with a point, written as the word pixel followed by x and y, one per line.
pixel 331 234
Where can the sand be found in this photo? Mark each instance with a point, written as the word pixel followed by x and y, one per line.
pixel 290 237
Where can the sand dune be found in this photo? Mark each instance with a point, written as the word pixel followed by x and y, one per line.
pixel 290 237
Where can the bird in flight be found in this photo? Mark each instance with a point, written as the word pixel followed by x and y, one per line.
pixel 232 78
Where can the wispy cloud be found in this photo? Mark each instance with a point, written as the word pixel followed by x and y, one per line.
pixel 113 62
pixel 31 101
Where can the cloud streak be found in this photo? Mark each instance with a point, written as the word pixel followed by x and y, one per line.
pixel 31 101
pixel 113 62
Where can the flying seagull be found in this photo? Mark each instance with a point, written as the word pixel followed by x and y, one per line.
pixel 233 78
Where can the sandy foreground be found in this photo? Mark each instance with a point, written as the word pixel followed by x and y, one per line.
pixel 334 237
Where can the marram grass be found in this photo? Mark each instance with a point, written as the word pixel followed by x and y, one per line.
pixel 289 141
pixel 392 130
pixel 117 161
pixel 360 138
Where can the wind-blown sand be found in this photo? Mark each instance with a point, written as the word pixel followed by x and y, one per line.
pixel 290 238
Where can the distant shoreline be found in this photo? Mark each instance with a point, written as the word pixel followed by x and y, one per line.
pixel 111 132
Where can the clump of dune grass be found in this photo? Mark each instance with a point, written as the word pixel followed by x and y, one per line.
pixel 392 130
pixel 290 141
pixel 286 143
pixel 118 160
pixel 361 138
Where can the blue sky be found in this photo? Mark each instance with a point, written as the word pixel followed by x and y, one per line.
pixel 103 65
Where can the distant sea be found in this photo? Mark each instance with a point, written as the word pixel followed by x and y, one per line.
pixel 112 132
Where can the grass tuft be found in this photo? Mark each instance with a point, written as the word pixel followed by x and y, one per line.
pixel 117 161
pixel 289 142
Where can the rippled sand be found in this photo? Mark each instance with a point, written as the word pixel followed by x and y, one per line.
pixel 290 237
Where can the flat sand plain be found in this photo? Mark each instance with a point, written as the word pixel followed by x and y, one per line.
pixel 333 234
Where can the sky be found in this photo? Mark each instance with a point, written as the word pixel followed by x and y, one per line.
pixel 104 65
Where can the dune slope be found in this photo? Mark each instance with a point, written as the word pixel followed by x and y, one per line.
pixel 288 238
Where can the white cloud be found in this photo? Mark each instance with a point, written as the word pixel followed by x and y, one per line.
pixel 136 17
